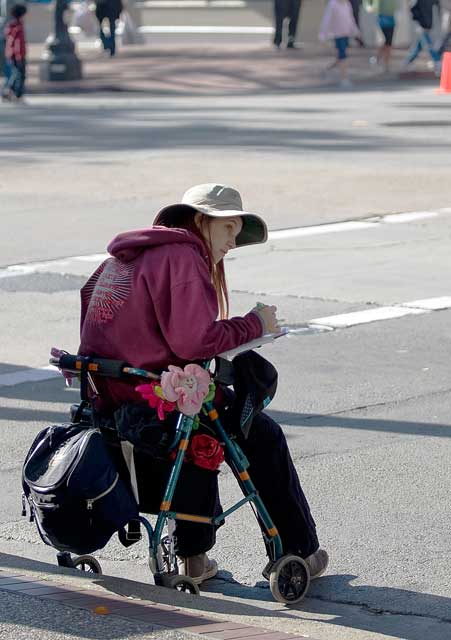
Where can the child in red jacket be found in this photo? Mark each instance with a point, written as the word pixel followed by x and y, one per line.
pixel 15 55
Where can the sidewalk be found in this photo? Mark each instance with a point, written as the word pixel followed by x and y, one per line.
pixel 196 69
pixel 50 602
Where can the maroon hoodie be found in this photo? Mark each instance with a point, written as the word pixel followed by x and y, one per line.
pixel 153 304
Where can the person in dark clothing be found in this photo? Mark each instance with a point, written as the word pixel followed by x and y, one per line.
pixel 356 4
pixel 423 14
pixel 108 10
pixel 154 303
pixel 286 9
pixel 15 55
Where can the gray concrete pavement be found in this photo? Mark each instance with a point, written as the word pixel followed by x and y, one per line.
pixel 322 154
pixel 365 409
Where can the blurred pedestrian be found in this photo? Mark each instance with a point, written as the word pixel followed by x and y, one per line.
pixel 15 55
pixel 385 11
pixel 338 24
pixel 356 4
pixel 108 10
pixel 286 10
pixel 423 14
pixel 446 38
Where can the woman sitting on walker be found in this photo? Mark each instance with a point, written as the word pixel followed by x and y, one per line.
pixel 156 302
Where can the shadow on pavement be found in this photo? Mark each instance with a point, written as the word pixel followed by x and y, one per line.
pixel 67 129
pixel 388 609
pixel 228 70
pixel 54 391
pixel 385 610
pixel 336 421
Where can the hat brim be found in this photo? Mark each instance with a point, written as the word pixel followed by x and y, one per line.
pixel 254 229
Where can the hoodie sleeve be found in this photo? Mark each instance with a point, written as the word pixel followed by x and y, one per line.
pixel 187 312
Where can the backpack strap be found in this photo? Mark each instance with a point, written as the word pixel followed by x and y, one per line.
pixel 130 534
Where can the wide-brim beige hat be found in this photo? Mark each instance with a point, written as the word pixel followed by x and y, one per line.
pixel 220 201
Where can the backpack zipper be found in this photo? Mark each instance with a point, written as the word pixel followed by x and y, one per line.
pixel 90 501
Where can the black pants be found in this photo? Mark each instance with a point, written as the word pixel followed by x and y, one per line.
pixel 286 9
pixel 108 42
pixel 271 470
pixel 275 477
pixel 356 4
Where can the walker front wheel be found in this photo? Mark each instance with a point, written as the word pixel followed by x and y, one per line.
pixel 289 579
pixel 184 584
pixel 87 563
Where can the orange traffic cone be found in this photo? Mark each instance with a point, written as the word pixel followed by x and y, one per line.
pixel 445 79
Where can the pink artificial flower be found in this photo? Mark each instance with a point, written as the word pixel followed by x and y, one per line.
pixel 187 387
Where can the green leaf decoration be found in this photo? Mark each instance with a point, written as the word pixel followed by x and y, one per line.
pixel 211 393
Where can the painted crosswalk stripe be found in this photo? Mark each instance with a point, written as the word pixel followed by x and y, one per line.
pixel 346 320
pixel 433 304
pixel 335 227
pixel 28 375
pixel 315 326
pixel 65 265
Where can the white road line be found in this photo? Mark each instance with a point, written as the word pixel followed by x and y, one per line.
pixel 50 266
pixel 399 218
pixel 346 320
pixel 318 325
pixel 28 375
pixel 63 265
pixel 432 304
pixel 352 225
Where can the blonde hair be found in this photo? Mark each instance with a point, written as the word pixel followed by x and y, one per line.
pixel 182 217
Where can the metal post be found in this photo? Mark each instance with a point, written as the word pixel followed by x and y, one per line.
pixel 59 61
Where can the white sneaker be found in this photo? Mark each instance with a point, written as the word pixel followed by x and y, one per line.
pixel 198 568
pixel 346 83
pixel 317 563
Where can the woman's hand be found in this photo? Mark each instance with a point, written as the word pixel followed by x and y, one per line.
pixel 268 317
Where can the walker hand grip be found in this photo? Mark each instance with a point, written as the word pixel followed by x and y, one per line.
pixel 98 366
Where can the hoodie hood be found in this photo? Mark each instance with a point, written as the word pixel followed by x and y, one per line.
pixel 128 245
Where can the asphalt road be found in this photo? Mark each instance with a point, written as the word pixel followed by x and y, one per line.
pixel 365 408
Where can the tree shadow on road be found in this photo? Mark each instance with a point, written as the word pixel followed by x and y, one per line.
pixel 387 610
pixel 224 71
pixel 66 129
pixel 53 390
pixel 377 424
pixel 380 609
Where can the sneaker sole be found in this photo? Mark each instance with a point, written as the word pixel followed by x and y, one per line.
pixel 319 574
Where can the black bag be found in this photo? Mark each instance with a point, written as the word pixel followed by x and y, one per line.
pixel 74 490
pixel 422 12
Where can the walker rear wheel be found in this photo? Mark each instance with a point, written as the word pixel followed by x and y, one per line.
pixel 87 563
pixel 289 579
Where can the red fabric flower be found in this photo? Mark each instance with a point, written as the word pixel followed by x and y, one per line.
pixel 152 393
pixel 205 452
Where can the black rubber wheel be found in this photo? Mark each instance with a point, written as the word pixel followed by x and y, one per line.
pixel 184 584
pixel 87 563
pixel 289 579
